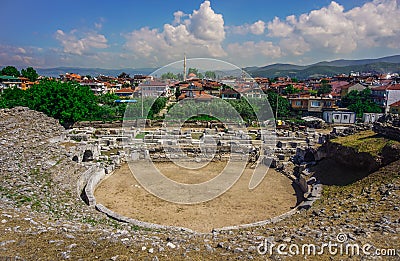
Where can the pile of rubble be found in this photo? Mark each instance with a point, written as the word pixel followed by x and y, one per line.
pixel 35 164
pixel 389 126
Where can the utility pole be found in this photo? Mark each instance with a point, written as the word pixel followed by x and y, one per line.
pixel 184 68
pixel 276 110
pixel 141 94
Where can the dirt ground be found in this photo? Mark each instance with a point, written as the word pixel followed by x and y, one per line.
pixel 275 195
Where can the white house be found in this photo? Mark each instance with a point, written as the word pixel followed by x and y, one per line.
pixel 96 87
pixel 9 82
pixel 386 95
pixel 371 117
pixel 249 92
pixel 339 117
pixel 152 89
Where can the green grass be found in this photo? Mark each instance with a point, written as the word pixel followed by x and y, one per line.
pixel 141 135
pixel 109 152
pixel 196 135
pixel 203 117
pixel 365 141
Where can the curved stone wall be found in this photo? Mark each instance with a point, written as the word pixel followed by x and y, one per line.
pixel 97 175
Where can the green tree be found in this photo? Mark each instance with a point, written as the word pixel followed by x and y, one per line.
pixel 67 101
pixel 290 89
pixel 177 92
pixel 179 76
pixel 12 97
pixel 360 102
pixel 313 92
pixel 157 106
pixel 193 70
pixel 169 76
pixel 10 71
pixel 210 75
pixel 246 111
pixel 107 98
pixel 123 75
pixel 325 88
pixel 30 73
pixel 151 107
pixel 283 104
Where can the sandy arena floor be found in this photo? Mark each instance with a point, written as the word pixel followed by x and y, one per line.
pixel 275 195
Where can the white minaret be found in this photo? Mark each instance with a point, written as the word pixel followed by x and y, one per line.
pixel 184 68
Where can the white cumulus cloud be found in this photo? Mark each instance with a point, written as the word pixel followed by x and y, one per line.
pixel 20 56
pixel 338 31
pixel 198 34
pixel 250 51
pixel 256 28
pixel 72 44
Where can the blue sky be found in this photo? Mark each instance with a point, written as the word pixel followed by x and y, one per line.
pixel 136 34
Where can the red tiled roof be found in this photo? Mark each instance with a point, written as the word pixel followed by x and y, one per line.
pixel 394 87
pixel 387 87
pixel 229 91
pixel 380 88
pixel 153 83
pixel 335 94
pixel 125 90
pixel 204 96
pixel 338 84
pixel 395 104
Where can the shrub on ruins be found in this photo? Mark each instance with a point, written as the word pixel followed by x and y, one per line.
pixel 107 99
pixel 13 97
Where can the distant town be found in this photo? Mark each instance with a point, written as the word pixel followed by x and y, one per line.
pixel 342 99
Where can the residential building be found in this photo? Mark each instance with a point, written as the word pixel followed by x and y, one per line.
pixel 251 92
pixel 96 87
pixel 191 91
pixel 230 94
pixel 351 87
pixel 386 95
pixel 196 95
pixel 140 78
pixel 299 102
pixel 318 104
pixel 26 83
pixel 211 87
pixel 371 117
pixel 310 105
pixel 152 89
pixel 125 92
pixel 70 77
pixel 395 108
pixel 9 82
